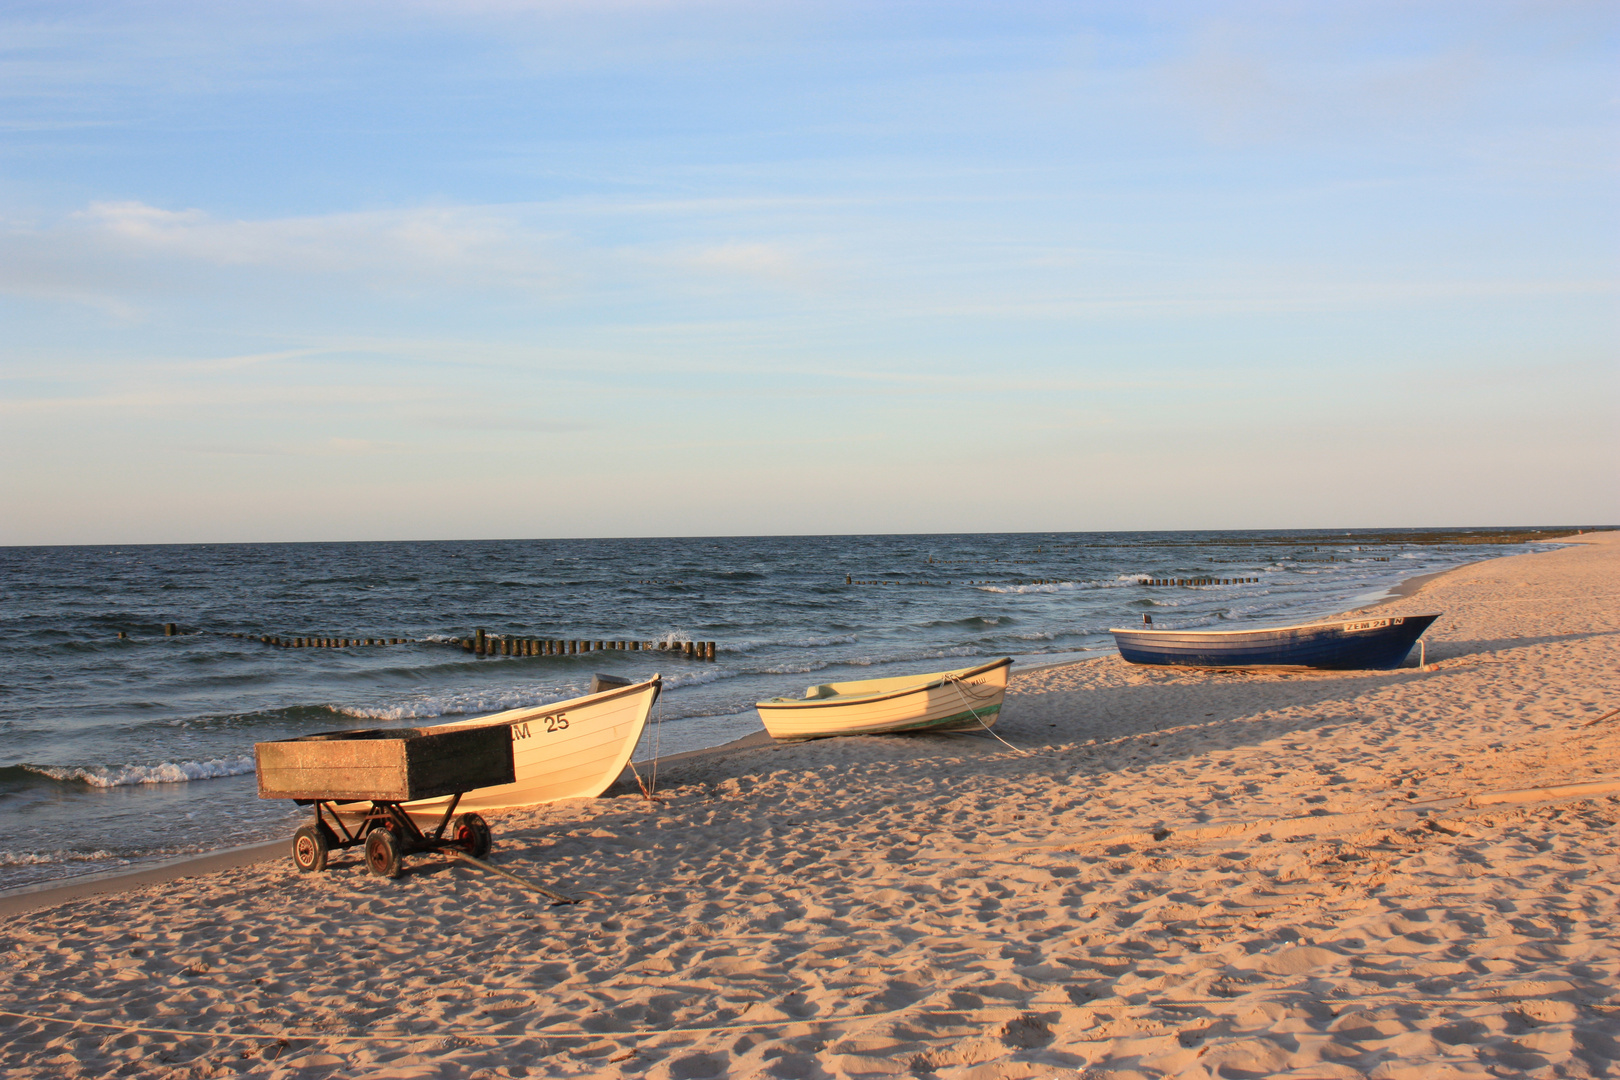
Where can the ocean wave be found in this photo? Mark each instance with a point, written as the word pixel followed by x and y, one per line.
pixel 53 858
pixel 1123 581
pixel 909 657
pixel 698 678
pixel 793 669
pixel 169 772
pixel 755 644
pixel 464 703
pixel 1060 586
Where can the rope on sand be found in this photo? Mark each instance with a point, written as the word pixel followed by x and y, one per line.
pixel 556 897
pixel 711 1029
pixel 541 1033
pixel 1605 716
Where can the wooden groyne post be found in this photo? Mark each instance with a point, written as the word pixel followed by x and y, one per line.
pixel 482 644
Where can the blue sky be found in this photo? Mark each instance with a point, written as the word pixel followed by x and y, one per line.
pixel 287 271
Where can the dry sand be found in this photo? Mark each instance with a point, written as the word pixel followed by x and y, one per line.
pixel 1235 875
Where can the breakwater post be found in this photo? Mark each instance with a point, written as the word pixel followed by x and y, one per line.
pixel 481 644
pixel 496 645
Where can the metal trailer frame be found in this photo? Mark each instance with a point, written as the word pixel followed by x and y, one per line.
pixel 385 855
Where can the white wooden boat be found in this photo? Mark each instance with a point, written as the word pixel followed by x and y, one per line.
pixel 571 749
pixel 967 698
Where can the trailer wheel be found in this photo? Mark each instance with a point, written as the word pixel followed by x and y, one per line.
pixel 473 836
pixel 309 848
pixel 382 852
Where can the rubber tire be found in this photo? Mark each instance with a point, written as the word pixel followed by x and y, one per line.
pixel 309 847
pixel 382 853
pixel 473 835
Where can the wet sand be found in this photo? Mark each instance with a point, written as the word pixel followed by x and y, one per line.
pixel 1380 874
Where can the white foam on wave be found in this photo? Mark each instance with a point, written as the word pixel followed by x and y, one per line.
pixel 1122 582
pixel 52 858
pixel 169 772
pixel 793 669
pixel 1064 586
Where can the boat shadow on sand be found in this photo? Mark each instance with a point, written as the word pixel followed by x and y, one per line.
pixel 1476 647
pixel 1103 718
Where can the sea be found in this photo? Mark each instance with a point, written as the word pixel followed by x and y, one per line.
pixel 122 745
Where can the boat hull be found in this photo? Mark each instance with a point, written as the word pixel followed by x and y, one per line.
pixel 1352 644
pixel 571 749
pixel 968 698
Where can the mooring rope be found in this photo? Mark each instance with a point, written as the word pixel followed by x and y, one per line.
pixel 658 741
pixel 956 681
pixel 649 791
pixel 1102 1004
pixel 555 897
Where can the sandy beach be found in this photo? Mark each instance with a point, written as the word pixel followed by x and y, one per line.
pixel 1409 873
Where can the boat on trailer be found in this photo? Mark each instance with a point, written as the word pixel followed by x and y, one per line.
pixel 959 700
pixel 572 749
pixel 1348 644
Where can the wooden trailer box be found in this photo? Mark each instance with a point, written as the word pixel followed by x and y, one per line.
pixel 392 764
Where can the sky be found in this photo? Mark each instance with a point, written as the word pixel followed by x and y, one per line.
pixel 375 270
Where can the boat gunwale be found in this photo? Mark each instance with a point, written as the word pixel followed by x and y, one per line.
pixel 519 715
pixel 938 680
pixel 1337 624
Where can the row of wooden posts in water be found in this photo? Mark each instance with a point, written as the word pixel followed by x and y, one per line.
pixel 169 630
pixel 487 645
pixel 1199 581
pixel 321 642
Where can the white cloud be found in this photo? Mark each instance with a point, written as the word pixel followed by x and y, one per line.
pixel 124 257
pixel 423 240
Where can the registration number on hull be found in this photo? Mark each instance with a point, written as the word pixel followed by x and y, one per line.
pixel 544 725
pixel 1371 624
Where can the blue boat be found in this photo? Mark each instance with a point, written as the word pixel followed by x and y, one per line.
pixel 1338 646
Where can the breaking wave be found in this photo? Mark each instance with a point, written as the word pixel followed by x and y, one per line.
pixel 169 772
pixel 52 858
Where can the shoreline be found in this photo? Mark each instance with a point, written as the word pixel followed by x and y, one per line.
pixel 51 894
